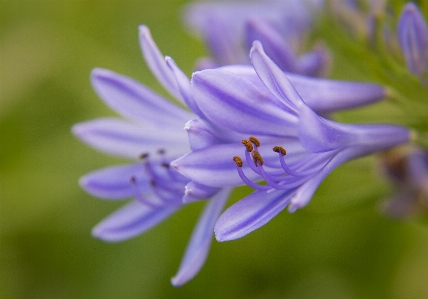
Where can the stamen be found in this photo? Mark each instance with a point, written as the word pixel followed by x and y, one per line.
pixel 248 145
pixel 279 149
pixel 161 151
pixel 255 141
pixel 138 195
pixel 257 158
pixel 238 161
pixel 144 156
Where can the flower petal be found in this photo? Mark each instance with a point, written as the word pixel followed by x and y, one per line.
pixel 156 62
pixel 212 166
pixel 274 78
pixel 135 101
pixel 413 37
pixel 200 242
pixel 200 134
pixel 273 42
pixel 121 138
pixel 195 192
pixel 222 95
pixel 250 213
pixel 114 182
pixel 131 220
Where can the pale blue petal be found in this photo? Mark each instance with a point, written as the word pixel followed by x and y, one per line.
pixel 222 95
pixel 322 95
pixel 156 62
pixel 183 84
pixel 200 242
pixel 121 138
pixel 413 37
pixel 131 220
pixel 212 166
pixel 200 134
pixel 274 78
pixel 273 42
pixel 195 192
pixel 115 182
pixel 250 213
pixel 135 101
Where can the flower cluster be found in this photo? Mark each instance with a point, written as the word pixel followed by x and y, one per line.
pixel 265 120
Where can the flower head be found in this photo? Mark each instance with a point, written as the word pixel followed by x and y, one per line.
pixel 151 133
pixel 229 29
pixel 270 114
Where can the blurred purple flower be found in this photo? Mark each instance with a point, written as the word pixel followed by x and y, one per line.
pixel 272 109
pixel 408 172
pixel 229 29
pixel 412 34
pixel 151 132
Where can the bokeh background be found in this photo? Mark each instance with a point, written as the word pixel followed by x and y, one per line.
pixel 340 246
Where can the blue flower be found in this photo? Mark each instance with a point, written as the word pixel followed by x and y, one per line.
pixel 268 112
pixel 150 132
pixel 229 29
pixel 408 172
pixel 412 34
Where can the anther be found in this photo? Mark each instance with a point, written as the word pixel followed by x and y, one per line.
pixel 161 151
pixel 279 149
pixel 152 183
pixel 257 158
pixel 238 161
pixel 144 156
pixel 165 165
pixel 255 141
pixel 248 145
pixel 133 180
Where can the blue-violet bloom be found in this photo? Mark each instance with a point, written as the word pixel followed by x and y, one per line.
pixel 151 132
pixel 229 29
pixel 271 114
pixel 412 34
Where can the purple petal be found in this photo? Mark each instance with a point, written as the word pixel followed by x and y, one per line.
pixel 200 134
pixel 131 220
pixel 135 101
pixel 156 62
pixel 324 96
pixel 121 138
pixel 318 134
pixel 273 77
pixel 114 182
pixel 200 242
pixel 222 95
pixel 413 37
pixel 183 84
pixel 250 213
pixel 212 166
pixel 195 192
pixel 315 63
pixel 273 42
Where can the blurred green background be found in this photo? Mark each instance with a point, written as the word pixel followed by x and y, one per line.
pixel 340 246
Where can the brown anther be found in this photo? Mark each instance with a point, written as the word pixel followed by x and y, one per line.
pixel 238 161
pixel 257 158
pixel 248 145
pixel 144 156
pixel 255 141
pixel 166 165
pixel 152 183
pixel 133 180
pixel 279 149
pixel 161 151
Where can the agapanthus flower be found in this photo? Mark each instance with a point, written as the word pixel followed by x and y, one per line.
pixel 229 29
pixel 151 133
pixel 407 170
pixel 412 34
pixel 272 114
